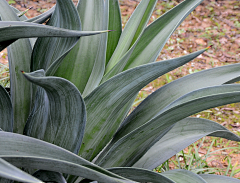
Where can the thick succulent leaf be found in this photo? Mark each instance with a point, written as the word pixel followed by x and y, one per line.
pixel 152 50
pixel 42 17
pixel 105 103
pixel 114 23
pixel 118 68
pixel 183 176
pixel 49 176
pixel 144 137
pixel 59 113
pixel 99 67
pixel 19 54
pixel 140 175
pixel 28 152
pixel 155 102
pixel 49 50
pixel 13 30
pixel 184 133
pixel 9 171
pixel 90 50
pixel 6 121
pixel 134 27
pixel 218 178
pixel 156 34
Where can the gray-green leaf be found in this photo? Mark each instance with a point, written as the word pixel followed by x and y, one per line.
pixel 9 171
pixel 184 133
pixel 59 113
pixel 105 104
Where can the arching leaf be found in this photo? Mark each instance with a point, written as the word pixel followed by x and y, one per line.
pixel 59 113
pixel 184 133
pixel 105 104
pixel 28 152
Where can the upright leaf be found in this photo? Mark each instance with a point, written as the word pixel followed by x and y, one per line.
pixel 144 137
pixel 134 27
pixel 50 50
pixel 19 54
pixel 156 34
pixel 105 104
pixel 152 39
pixel 59 114
pixel 90 50
pixel 114 23
pixel 6 121
pixel 162 97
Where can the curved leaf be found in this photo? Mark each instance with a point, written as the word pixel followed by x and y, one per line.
pixel 13 30
pixel 86 77
pixel 140 175
pixel 42 17
pixel 144 137
pixel 162 97
pixel 184 133
pixel 19 56
pixel 9 171
pixel 105 103
pixel 59 115
pixel 6 121
pixel 156 34
pixel 152 39
pixel 134 27
pixel 114 23
pixel 183 176
pixel 49 176
pixel 46 51
pixel 218 178
pixel 28 152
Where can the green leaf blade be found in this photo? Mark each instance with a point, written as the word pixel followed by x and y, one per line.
pixel 28 152
pixel 183 176
pixel 114 23
pixel 6 121
pixel 8 171
pixel 140 175
pixel 156 34
pixel 133 29
pixel 19 56
pixel 59 114
pixel 49 50
pixel 162 97
pixel 184 133
pixel 144 137
pixel 87 76
pixel 218 178
pixel 114 94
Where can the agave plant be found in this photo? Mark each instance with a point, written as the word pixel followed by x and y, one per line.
pixel 67 117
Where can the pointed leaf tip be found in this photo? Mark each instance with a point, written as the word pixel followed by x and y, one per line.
pixel 108 31
pixel 209 47
pixel 23 72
